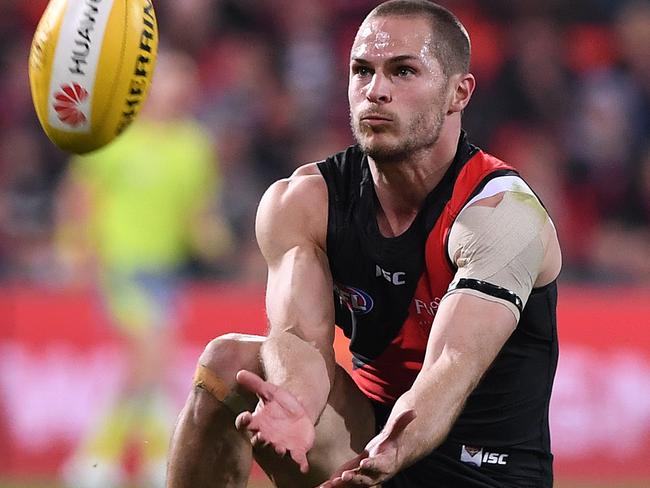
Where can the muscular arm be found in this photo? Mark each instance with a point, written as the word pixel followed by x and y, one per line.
pixel 291 230
pixel 470 328
pixel 456 359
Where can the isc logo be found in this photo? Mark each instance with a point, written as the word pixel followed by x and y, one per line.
pixel 476 456
pixel 396 278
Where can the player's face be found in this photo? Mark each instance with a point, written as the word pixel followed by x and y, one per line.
pixel 397 89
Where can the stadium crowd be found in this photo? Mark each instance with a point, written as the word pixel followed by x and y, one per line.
pixel 563 92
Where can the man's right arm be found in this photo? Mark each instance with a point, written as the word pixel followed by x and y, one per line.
pixel 291 229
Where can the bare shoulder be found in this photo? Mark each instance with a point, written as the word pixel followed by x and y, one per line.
pixel 304 194
pixel 307 169
pixel 293 212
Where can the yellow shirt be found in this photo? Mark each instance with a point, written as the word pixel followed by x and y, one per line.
pixel 148 186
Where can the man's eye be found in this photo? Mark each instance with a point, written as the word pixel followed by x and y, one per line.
pixel 361 70
pixel 405 71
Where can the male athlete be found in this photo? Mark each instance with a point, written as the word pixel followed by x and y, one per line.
pixel 438 262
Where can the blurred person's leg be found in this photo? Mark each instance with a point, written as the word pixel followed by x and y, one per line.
pixel 142 307
pixel 208 452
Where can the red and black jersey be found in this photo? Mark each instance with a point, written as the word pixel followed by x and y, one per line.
pixel 387 292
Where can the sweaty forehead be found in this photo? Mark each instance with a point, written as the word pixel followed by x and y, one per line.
pixel 387 37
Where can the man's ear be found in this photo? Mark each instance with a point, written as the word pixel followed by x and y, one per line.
pixel 463 88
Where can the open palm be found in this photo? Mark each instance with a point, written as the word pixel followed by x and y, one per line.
pixel 279 420
pixel 377 462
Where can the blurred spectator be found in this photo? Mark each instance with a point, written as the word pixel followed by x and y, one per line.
pixel 272 84
pixel 25 209
pixel 610 131
pixel 604 136
pixel 308 66
pixel 634 37
pixel 534 86
pixel 28 174
pixel 563 92
pixel 241 94
pixel 622 244
pixel 132 216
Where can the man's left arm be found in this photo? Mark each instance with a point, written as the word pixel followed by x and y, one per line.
pixel 455 361
pixel 497 269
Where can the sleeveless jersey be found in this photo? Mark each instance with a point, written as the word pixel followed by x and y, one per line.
pixel 386 293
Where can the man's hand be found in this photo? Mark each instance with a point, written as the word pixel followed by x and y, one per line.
pixel 377 462
pixel 279 420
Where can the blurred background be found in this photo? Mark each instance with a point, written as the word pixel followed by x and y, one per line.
pixel 116 268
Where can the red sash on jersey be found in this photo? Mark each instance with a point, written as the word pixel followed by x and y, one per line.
pixel 393 372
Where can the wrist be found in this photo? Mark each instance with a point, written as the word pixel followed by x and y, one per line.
pixel 285 353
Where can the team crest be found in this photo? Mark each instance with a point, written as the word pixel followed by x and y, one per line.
pixel 471 455
pixel 479 456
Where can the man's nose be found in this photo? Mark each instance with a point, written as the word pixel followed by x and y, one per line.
pixel 378 90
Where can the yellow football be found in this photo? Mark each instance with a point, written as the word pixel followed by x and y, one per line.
pixel 90 67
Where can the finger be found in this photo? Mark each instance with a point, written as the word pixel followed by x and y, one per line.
pixel 334 482
pixel 288 402
pixel 354 478
pixel 375 461
pixel 348 475
pixel 376 465
pixel 300 458
pixel 258 441
pixel 243 420
pixel 354 462
pixel 368 464
pixel 255 384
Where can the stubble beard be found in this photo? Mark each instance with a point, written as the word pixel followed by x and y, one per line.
pixel 421 134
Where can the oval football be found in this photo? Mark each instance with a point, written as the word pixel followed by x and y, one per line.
pixel 90 68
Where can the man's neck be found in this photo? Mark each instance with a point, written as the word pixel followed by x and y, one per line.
pixel 402 186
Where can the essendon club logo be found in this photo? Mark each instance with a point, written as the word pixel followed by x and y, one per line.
pixel 478 456
pixel 68 104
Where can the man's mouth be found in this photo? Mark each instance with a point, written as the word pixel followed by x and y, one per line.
pixel 370 117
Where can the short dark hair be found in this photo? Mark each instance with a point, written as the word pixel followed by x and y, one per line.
pixel 451 44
